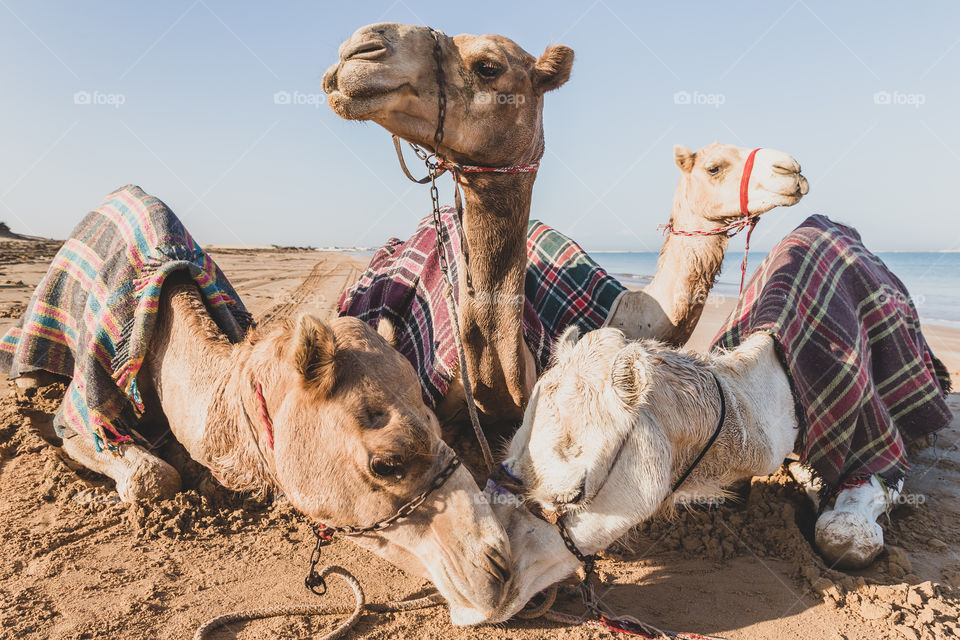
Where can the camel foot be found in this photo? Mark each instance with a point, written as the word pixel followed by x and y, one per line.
pixel 848 536
pixel 34 380
pixel 848 540
pixel 138 474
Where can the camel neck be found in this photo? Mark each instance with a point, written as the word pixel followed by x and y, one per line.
pixel 496 213
pixel 686 271
pixel 199 377
pixel 760 430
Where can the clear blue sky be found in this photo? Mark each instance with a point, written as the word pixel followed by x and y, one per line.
pixel 199 128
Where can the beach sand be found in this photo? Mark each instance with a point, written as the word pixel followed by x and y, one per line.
pixel 75 563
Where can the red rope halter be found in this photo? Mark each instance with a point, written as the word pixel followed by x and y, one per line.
pixel 747 222
pixel 264 415
pixel 472 168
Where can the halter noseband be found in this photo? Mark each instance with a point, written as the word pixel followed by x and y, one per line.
pixel 748 221
pixel 325 534
pixel 436 162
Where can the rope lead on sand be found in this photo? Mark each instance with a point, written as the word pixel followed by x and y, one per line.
pixel 355 612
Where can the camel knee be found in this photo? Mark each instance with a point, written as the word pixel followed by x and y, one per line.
pixel 138 474
pixel 28 383
pixel 848 535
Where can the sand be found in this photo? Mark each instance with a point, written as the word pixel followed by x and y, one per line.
pixel 75 563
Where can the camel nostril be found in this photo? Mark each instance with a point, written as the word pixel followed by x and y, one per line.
pixel 499 566
pixel 785 169
pixel 366 50
pixel 578 496
pixel 568 499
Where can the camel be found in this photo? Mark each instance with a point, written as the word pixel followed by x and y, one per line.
pixel 618 430
pixel 387 73
pixel 707 196
pixel 351 440
pixel 328 414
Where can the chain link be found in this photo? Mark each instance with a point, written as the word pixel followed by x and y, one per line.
pixel 314 581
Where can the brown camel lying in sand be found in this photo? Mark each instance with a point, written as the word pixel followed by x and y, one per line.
pixel 328 414
pixel 493 98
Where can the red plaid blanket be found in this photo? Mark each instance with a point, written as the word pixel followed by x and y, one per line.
pixel 862 372
pixel 404 284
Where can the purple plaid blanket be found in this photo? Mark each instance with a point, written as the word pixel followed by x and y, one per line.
pixel 92 315
pixel 404 284
pixel 866 382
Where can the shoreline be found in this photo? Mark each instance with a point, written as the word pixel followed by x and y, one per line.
pixel 944 341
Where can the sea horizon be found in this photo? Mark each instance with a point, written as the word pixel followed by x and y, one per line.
pixel 931 277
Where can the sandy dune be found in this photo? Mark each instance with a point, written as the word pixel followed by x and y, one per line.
pixel 75 563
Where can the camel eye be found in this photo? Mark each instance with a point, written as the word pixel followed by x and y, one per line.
pixel 714 170
pixel 387 467
pixel 487 70
pixel 376 418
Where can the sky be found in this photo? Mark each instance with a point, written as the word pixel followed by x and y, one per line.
pixel 179 98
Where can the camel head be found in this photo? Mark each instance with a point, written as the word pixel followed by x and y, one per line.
pixel 708 193
pixel 387 73
pixel 599 447
pixel 354 441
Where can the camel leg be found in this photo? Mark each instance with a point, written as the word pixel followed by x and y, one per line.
pixel 139 474
pixel 847 535
pixel 34 380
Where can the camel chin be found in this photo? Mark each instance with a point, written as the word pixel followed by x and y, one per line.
pixel 364 108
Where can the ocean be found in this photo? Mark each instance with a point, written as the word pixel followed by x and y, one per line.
pixel 932 278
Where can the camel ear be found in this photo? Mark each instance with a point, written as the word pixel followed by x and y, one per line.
pixel 568 340
pixel 683 157
pixel 387 331
pixel 553 68
pixel 314 353
pixel 629 375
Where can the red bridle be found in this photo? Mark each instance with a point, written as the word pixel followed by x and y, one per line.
pixel 746 222
pixel 455 168
pixel 264 415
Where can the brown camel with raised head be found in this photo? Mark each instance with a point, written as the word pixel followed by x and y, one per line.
pixel 387 73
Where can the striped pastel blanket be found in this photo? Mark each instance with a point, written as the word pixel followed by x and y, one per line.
pixel 404 284
pixel 92 315
pixel 863 374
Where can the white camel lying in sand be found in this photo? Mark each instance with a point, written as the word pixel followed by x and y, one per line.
pixel 617 430
pixel 328 414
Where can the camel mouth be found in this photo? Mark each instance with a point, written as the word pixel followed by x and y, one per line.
pixel 793 197
pixel 361 86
